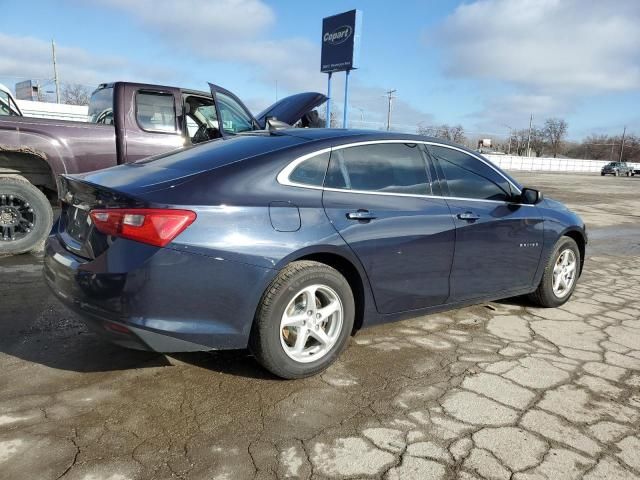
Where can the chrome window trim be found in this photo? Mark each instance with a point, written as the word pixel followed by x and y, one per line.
pixel 283 176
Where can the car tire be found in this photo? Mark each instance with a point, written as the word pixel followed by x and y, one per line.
pixel 294 351
pixel 26 216
pixel 548 296
pixel 601 174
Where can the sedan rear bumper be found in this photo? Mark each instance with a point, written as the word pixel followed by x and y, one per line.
pixel 158 299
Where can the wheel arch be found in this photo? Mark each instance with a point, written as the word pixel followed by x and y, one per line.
pixel 348 267
pixel 33 167
pixel 580 240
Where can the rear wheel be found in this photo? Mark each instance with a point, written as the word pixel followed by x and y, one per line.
pixel 25 216
pixel 560 275
pixel 304 320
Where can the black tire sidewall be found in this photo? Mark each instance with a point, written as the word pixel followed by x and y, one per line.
pixel 547 282
pixel 42 209
pixel 270 327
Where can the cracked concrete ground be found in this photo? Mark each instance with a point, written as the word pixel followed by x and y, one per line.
pixel 497 391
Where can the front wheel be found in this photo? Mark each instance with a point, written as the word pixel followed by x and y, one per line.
pixel 25 216
pixel 560 275
pixel 304 320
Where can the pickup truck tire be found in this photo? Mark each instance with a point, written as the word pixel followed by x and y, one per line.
pixel 26 216
pixel 545 295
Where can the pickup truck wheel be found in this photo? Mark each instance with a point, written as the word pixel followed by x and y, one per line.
pixel 560 275
pixel 25 216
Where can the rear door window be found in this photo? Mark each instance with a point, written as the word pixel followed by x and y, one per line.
pixel 311 171
pixel 156 112
pixel 468 177
pixel 385 168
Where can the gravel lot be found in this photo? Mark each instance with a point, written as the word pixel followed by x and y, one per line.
pixel 494 391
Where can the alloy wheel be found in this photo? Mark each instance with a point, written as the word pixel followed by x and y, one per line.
pixel 17 218
pixel 564 273
pixel 311 323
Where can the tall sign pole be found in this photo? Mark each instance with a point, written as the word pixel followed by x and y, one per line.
pixel 345 111
pixel 328 122
pixel 340 53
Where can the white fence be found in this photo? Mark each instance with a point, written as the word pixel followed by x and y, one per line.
pixel 59 111
pixel 513 162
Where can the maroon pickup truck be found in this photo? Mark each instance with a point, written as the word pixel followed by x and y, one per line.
pixel 127 122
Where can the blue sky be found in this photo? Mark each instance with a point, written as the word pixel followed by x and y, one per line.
pixel 486 64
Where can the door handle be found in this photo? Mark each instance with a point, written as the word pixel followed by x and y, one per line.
pixel 361 215
pixel 469 216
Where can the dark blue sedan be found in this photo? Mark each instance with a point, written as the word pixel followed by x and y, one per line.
pixel 288 241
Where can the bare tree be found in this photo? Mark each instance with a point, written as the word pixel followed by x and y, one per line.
pixel 555 129
pixel 538 141
pixel 453 133
pixel 75 94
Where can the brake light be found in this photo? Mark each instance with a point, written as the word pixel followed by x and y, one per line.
pixel 154 226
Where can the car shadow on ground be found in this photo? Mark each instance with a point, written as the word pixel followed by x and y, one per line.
pixel 74 348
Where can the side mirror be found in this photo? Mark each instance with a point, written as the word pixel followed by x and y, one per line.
pixel 530 196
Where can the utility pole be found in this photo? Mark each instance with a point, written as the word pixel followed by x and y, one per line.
pixel 276 90
pixel 390 97
pixel 510 136
pixel 55 71
pixel 622 143
pixel 529 136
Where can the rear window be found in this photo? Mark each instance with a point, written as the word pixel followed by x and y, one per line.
pixel 156 112
pixel 101 106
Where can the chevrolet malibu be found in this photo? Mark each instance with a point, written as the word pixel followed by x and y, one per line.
pixel 287 242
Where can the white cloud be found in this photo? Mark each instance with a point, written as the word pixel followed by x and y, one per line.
pixel 234 31
pixel 25 57
pixel 209 24
pixel 568 46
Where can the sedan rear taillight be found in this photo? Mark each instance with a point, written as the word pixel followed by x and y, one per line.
pixel 154 226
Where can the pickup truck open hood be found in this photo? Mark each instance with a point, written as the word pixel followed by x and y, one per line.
pixel 293 108
pixel 288 110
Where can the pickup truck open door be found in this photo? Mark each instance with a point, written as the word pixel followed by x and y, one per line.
pixel 236 118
